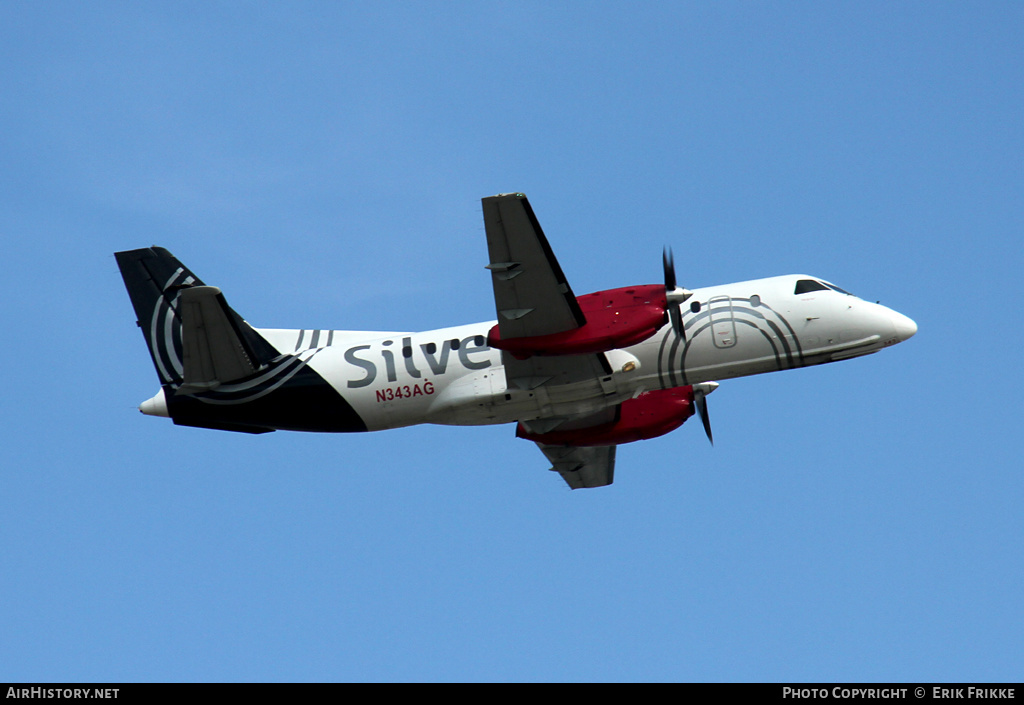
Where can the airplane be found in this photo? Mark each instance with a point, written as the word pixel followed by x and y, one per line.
pixel 578 375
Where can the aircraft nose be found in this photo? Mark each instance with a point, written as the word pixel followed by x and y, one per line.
pixel 905 327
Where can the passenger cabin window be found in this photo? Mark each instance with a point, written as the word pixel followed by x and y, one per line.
pixel 807 285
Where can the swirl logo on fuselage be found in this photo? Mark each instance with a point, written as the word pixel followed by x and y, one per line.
pixel 729 321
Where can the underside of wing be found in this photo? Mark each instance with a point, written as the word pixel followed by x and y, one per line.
pixel 531 293
pixel 566 369
pixel 532 296
pixel 533 299
pixel 582 467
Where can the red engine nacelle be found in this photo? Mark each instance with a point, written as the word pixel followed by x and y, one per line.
pixel 650 415
pixel 616 318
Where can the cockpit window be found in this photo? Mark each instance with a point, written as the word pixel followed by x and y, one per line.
pixel 836 288
pixel 806 285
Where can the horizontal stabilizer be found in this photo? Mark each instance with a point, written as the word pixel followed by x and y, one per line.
pixel 214 350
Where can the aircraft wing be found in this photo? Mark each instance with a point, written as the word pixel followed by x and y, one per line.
pixel 533 298
pixel 579 466
pixel 532 295
pixel 530 290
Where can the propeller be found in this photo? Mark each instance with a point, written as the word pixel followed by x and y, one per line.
pixel 675 296
pixel 673 293
pixel 700 398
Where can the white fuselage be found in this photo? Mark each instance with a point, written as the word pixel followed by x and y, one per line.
pixel 451 375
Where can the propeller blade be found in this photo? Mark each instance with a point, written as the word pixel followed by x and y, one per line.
pixel 669 265
pixel 675 313
pixel 677 320
pixel 700 398
pixel 702 408
pixel 674 296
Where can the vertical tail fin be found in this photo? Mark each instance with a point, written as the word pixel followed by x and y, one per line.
pixel 155 280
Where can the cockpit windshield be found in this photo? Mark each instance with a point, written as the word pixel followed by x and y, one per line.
pixel 836 288
pixel 804 286
pixel 807 285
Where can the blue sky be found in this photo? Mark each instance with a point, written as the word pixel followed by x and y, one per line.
pixel 323 163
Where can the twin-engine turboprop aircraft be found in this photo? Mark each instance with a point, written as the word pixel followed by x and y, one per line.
pixel 578 375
